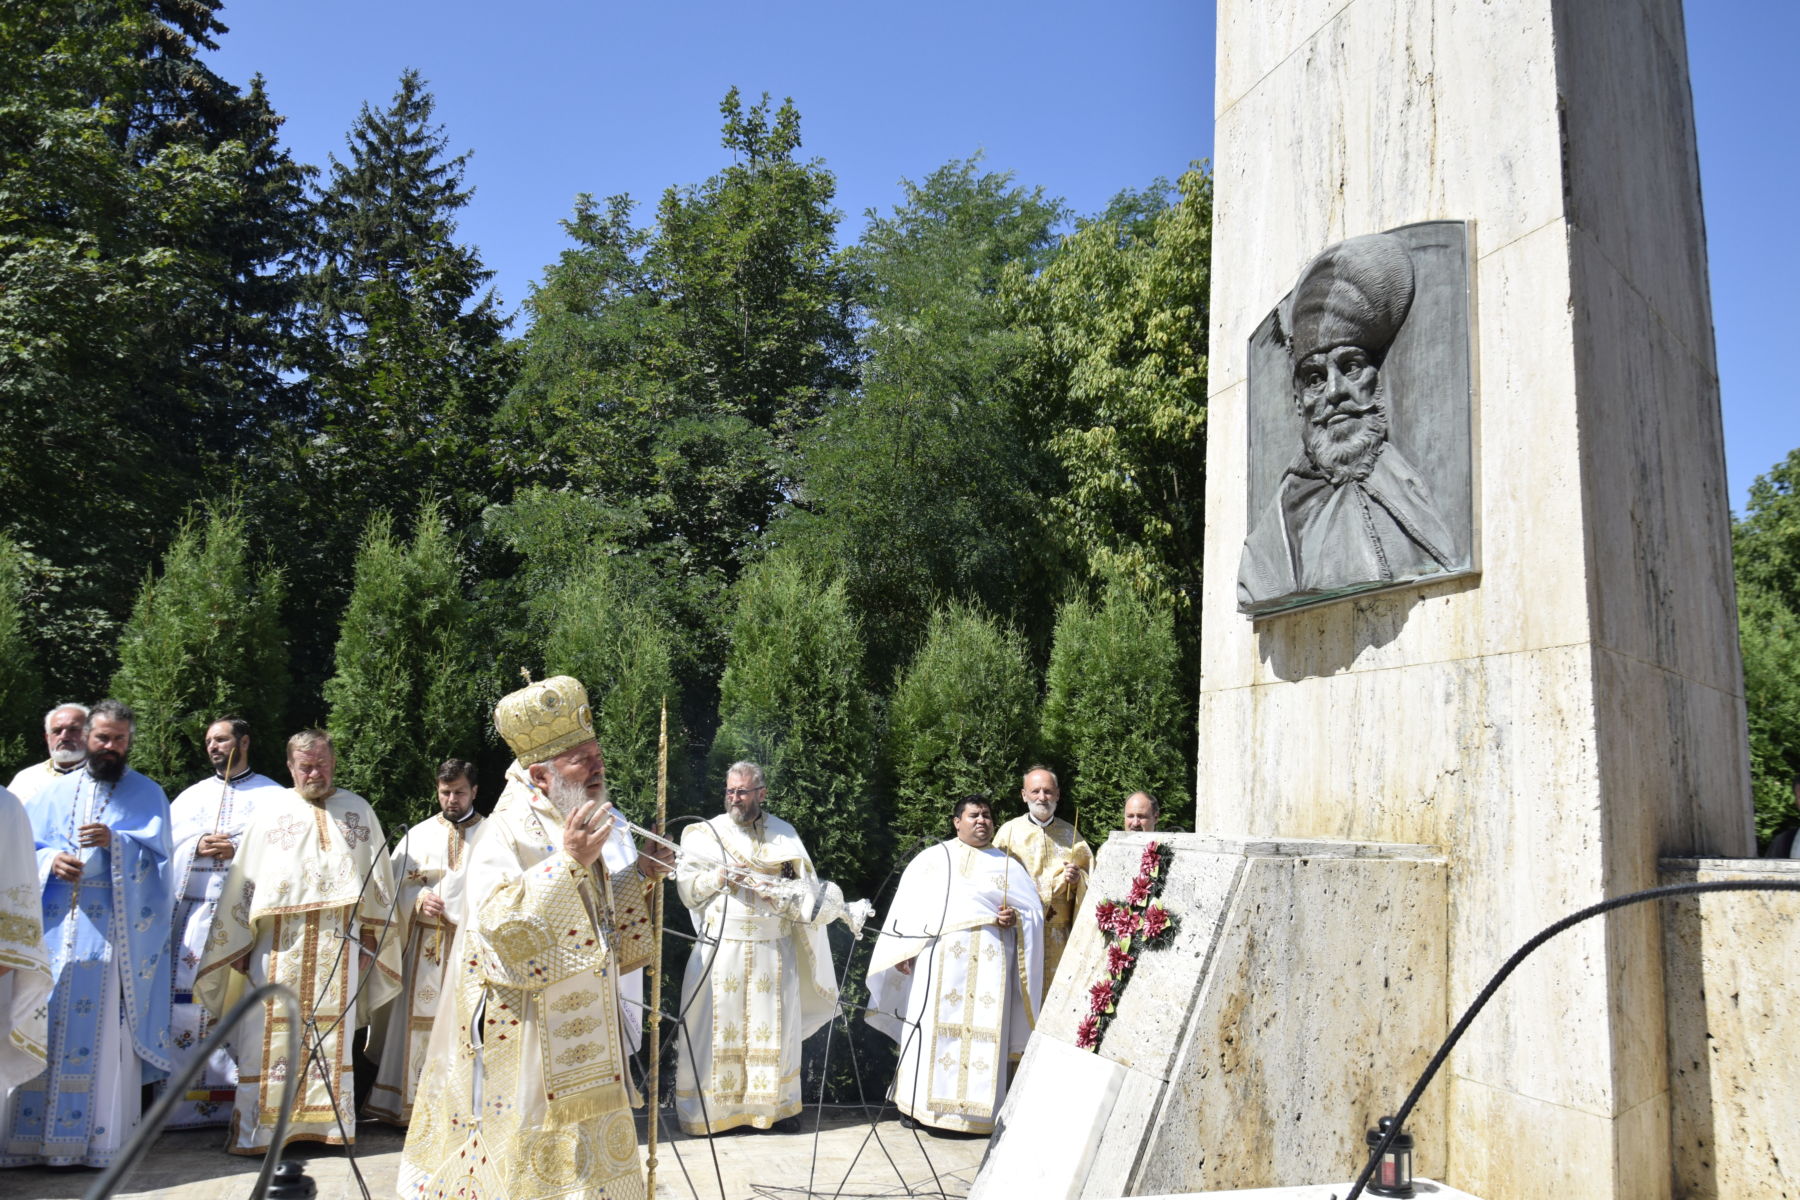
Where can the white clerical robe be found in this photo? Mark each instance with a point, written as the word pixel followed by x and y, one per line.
pixel 429 852
pixel 965 1012
pixel 213 805
pixel 757 984
pixel 24 963
pixel 38 776
pixel 526 1091
pixel 309 892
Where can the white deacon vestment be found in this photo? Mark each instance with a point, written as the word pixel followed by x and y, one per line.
pixel 430 851
pixel 38 776
pixel 757 984
pixel 25 982
pixel 969 1005
pixel 213 805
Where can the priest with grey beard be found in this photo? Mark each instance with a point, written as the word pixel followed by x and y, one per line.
pixel 1350 511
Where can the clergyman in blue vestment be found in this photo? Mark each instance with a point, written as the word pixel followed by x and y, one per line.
pixel 103 848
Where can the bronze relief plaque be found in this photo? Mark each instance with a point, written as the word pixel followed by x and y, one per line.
pixel 1361 463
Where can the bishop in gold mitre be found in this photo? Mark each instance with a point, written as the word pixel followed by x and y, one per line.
pixel 1054 854
pixel 530 1095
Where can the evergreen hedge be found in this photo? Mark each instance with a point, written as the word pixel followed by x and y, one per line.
pixel 1113 709
pixel 204 640
pixel 961 722
pixel 402 698
pixel 604 634
pixel 21 687
pixel 792 700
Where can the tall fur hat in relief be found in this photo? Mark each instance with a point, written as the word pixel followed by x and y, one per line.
pixel 1356 293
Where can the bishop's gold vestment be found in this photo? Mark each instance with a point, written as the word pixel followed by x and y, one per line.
pixel 1046 852
pixel 525 1093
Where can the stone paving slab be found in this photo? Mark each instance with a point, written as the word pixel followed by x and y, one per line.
pixel 844 1159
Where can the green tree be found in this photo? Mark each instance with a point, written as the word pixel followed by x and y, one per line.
pixel 668 372
pixel 1766 553
pixel 1115 718
pixel 1118 321
pixel 145 212
pixel 402 698
pixel 1769 633
pixel 792 700
pixel 21 686
pixel 410 358
pixel 929 484
pixel 601 630
pixel 962 721
pixel 204 640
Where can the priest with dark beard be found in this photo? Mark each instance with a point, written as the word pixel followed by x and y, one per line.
pixel 1350 511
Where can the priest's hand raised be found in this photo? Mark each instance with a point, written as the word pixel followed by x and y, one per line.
pixel 586 831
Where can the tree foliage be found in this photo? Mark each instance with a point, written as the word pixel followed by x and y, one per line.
pixel 21 685
pixel 962 721
pixel 792 700
pixel 1118 320
pixel 402 696
pixel 604 632
pixel 1766 550
pixel 669 372
pixel 145 212
pixel 929 485
pixel 1115 717
pixel 204 640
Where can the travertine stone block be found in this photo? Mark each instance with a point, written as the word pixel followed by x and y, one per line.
pixel 1561 724
pixel 1305 974
pixel 1729 961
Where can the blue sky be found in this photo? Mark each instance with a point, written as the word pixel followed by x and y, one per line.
pixel 557 97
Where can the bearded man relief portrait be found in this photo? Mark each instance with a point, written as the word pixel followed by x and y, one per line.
pixel 1360 455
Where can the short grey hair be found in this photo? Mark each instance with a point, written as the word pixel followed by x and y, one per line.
pixel 51 715
pixel 114 710
pixel 746 768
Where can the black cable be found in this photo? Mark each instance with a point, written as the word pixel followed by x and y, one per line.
pixel 1519 956
pixel 141 1138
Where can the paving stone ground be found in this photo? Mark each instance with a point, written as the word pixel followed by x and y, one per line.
pixel 847 1158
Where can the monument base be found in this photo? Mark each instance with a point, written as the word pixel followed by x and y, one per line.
pixel 1303 993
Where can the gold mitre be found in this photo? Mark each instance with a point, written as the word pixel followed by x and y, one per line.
pixel 542 719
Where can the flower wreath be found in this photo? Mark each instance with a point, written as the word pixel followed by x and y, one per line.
pixel 1137 923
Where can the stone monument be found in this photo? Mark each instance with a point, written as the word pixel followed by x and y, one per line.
pixel 1549 709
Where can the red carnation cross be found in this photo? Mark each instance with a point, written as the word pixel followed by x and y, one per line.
pixel 1137 923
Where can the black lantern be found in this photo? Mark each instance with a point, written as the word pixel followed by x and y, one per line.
pixel 1393 1171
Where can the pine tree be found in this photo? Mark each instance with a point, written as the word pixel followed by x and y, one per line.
pixel 21 687
pixel 204 640
pixel 962 721
pixel 1115 717
pixel 606 635
pixel 792 700
pixel 402 698
pixel 409 353
pixel 143 203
